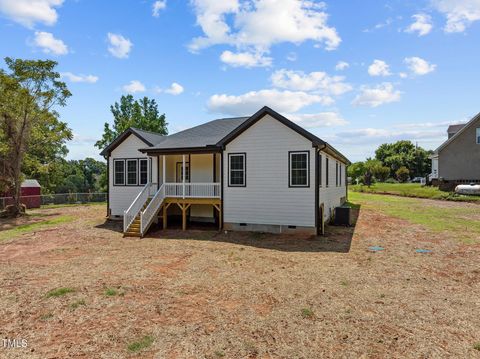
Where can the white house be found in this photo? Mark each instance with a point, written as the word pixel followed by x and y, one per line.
pixel 258 173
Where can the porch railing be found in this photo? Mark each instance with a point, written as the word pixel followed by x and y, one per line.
pixel 137 204
pixel 147 215
pixel 192 190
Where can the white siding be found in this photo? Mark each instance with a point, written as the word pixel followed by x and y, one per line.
pixel 202 171
pixel 331 196
pixel 121 197
pixel 267 198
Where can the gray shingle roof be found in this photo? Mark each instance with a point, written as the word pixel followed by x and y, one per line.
pixel 455 128
pixel 151 137
pixel 200 136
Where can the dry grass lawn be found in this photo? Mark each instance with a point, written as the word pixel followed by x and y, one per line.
pixel 74 288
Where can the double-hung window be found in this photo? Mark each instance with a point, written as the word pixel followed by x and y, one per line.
pixel 237 174
pixel 478 136
pixel 143 169
pixel 132 172
pixel 298 169
pixel 119 172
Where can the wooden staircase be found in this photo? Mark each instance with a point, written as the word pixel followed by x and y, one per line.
pixel 134 229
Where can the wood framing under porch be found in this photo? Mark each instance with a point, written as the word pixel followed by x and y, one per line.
pixel 185 203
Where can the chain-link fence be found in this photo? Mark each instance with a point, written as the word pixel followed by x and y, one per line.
pixel 36 201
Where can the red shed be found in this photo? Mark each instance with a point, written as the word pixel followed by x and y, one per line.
pixel 30 194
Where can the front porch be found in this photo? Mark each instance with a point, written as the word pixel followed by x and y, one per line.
pixel 189 185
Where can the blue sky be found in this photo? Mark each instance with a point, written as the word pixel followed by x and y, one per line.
pixel 355 73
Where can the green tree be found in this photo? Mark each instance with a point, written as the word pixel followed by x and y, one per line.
pixel 403 174
pixel 382 173
pixel 29 92
pixel 356 171
pixel 371 167
pixel 404 154
pixel 142 114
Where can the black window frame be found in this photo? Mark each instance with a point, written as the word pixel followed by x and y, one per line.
pixel 127 172
pixel 290 153
pixel 339 174
pixel 137 159
pixel 477 135
pixel 115 161
pixel 140 160
pixel 327 162
pixel 244 156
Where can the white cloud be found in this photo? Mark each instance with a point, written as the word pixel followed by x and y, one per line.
pixel 29 12
pixel 317 120
pixel 292 56
pixel 374 136
pixel 120 47
pixel 158 6
pixel 422 25
pixel 134 86
pixel 254 26
pixel 460 13
pixel 79 78
pixel 342 65
pixel 319 82
pixel 174 89
pixel 403 75
pixel 245 59
pixel 379 68
pixel 248 103
pixel 377 95
pixel 49 44
pixel 419 66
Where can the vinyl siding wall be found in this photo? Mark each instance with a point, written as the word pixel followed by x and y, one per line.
pixel 122 196
pixel 267 197
pixel 333 195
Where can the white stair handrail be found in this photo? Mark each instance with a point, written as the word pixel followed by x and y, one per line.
pixel 147 215
pixel 136 206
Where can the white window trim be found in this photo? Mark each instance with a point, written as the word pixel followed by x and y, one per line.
pixel 244 156
pixel 290 177
pixel 127 172
pixel 115 173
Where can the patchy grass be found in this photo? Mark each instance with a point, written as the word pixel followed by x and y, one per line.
pixel 462 222
pixel 141 344
pixel 412 190
pixel 49 206
pixel 78 303
pixel 59 292
pixel 307 313
pixel 31 227
pixel 111 292
pixel 476 346
pixel 188 292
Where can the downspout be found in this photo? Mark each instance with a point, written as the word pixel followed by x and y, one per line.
pixel 108 185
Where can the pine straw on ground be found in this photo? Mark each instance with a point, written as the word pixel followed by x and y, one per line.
pixel 204 294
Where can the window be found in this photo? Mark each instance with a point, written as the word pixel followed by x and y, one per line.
pixel 179 175
pixel 340 175
pixel 319 164
pixel 119 172
pixel 299 169
pixel 326 171
pixel 478 136
pixel 336 174
pixel 143 164
pixel 237 170
pixel 132 172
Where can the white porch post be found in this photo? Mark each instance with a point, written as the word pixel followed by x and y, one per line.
pixel 163 169
pixel 183 174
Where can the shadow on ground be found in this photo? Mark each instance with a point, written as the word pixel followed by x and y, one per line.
pixel 336 239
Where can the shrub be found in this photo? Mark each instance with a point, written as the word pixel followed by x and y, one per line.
pixel 60 292
pixel 403 174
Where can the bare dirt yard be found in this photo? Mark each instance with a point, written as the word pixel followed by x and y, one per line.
pixel 74 288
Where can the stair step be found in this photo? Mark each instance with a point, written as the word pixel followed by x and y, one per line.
pixel 132 234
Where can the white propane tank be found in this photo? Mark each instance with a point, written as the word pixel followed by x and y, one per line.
pixel 468 189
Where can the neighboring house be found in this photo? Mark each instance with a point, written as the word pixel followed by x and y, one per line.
pixel 457 160
pixel 258 173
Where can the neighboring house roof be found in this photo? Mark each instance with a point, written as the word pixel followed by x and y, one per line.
pixel 31 183
pixel 150 138
pixel 214 136
pixel 459 133
pixel 455 128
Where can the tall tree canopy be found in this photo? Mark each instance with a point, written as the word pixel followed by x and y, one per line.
pixel 31 133
pixel 404 154
pixel 142 114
